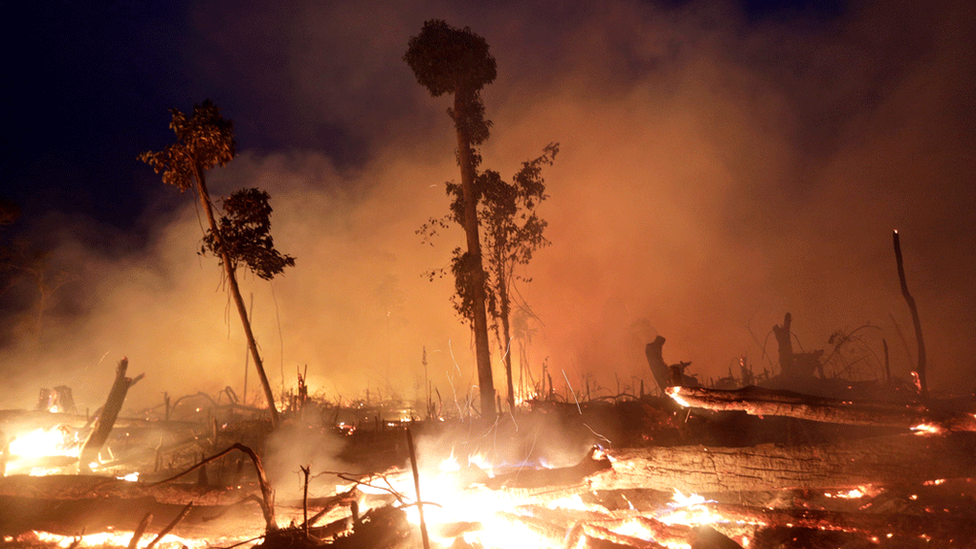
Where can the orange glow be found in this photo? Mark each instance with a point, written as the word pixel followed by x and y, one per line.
pixel 117 539
pixel 927 429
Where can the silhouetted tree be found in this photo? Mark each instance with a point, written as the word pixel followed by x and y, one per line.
pixel 513 231
pixel 449 60
pixel 204 141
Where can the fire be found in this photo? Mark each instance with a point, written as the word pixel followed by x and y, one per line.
pixel 855 493
pixel 42 451
pixel 115 539
pixel 56 441
pixel 674 393
pixel 927 429
pixel 690 510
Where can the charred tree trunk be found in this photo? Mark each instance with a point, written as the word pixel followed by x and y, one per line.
pixel 784 340
pixel 106 419
pixel 667 376
pixel 923 388
pixel 467 161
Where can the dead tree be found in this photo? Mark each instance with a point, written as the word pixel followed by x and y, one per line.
pixel 106 419
pixel 794 365
pixel 665 375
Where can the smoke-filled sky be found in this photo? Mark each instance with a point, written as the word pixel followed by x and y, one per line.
pixel 720 164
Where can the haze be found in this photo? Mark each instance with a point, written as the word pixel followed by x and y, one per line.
pixel 715 172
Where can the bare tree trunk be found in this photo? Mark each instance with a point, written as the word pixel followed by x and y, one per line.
pixel 506 342
pixel 480 321
pixel 923 387
pixel 235 293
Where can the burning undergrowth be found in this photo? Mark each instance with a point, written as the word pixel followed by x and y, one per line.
pixel 630 472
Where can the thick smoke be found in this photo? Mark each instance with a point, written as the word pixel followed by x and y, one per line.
pixel 715 172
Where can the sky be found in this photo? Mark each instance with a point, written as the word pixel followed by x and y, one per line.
pixel 721 163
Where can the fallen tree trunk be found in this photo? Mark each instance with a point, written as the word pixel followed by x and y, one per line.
pixel 845 464
pixel 933 417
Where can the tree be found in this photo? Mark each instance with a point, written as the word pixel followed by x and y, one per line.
pixel 204 141
pixel 513 231
pixel 449 60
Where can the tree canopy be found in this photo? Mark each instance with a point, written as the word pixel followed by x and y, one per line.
pixel 203 141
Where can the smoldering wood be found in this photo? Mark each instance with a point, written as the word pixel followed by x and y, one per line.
pixel 931 415
pixel 867 525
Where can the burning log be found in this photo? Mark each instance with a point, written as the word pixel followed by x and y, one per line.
pixel 757 401
pixel 850 463
pixel 106 419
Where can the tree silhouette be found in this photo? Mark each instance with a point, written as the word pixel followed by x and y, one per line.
pixel 449 60
pixel 513 231
pixel 204 141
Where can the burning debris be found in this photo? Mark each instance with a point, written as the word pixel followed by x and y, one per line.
pixel 854 465
pixel 893 490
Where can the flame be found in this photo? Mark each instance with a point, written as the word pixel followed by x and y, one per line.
pixel 117 539
pixel 927 429
pixel 850 494
pixel 56 441
pixel 673 392
pixel 690 510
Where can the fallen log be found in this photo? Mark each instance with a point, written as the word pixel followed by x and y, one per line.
pixel 844 464
pixel 932 417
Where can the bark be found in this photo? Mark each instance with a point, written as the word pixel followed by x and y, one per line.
pixel 931 417
pixel 106 419
pixel 235 293
pixel 466 160
pixel 846 464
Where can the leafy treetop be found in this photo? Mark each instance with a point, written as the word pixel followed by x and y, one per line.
pixel 245 234
pixel 203 141
pixel 449 60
